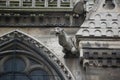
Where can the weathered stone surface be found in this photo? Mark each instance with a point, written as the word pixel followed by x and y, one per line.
pixel 98 38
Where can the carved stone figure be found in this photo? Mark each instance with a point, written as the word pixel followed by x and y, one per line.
pixel 69 47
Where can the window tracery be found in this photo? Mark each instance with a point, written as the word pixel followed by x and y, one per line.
pixel 18 48
pixel 19 67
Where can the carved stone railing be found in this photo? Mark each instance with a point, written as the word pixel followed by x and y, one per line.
pixel 34 3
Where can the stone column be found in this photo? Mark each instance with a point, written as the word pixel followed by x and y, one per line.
pixel 58 3
pixel 81 49
pixel 71 3
pixel 7 3
pixel 71 20
pixel 20 3
pixel 46 3
pixel 33 3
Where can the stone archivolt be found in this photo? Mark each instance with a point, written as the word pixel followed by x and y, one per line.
pixel 21 46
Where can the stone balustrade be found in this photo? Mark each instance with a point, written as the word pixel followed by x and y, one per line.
pixel 36 3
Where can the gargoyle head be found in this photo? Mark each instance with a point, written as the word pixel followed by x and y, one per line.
pixel 59 31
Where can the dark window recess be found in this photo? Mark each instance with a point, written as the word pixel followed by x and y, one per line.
pixel 14 65
pixel 67 21
pixel 32 19
pixel 58 20
pixel 109 61
pixel 114 53
pixel 7 19
pixel 16 19
pixel 95 53
pixel 100 61
pixel 104 53
pixel 24 19
pixel 41 19
pixel 118 61
pixel 86 53
pixel 91 62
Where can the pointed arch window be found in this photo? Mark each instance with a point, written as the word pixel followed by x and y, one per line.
pixel 23 58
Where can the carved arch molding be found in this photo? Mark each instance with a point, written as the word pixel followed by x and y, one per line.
pixel 24 58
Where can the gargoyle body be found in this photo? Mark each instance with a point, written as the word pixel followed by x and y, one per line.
pixel 69 47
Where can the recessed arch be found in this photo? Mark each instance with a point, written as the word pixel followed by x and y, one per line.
pixel 103 25
pixel 85 33
pixel 97 16
pixel 115 25
pixel 109 17
pixel 97 33
pixel 109 33
pixel 19 43
pixel 92 24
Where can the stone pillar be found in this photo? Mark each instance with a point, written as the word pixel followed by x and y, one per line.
pixel 58 3
pixel 71 3
pixel 33 3
pixel 81 49
pixel 63 20
pixel 46 3
pixel 20 3
pixel 71 20
pixel 7 3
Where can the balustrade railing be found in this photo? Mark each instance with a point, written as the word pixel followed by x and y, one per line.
pixel 36 3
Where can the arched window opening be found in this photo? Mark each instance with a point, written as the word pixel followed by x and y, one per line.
pixel 14 65
pixel 14 69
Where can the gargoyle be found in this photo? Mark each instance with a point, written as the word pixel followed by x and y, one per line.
pixel 69 47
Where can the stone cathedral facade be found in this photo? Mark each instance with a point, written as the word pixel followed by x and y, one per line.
pixel 30 49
